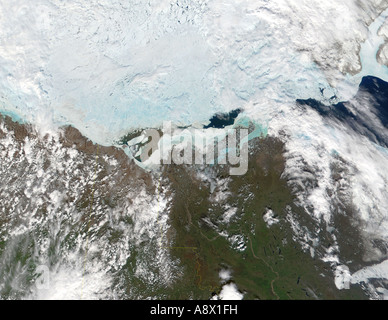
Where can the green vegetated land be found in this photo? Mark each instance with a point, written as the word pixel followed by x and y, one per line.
pixel 271 265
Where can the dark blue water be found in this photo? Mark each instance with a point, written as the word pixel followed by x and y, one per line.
pixel 373 94
pixel 222 120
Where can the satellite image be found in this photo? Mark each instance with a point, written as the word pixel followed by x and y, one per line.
pixel 193 150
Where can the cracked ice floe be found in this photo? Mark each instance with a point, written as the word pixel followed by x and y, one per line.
pixel 313 144
pixel 251 63
pixel 105 66
pixel 382 54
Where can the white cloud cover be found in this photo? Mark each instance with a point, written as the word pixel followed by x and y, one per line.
pixel 107 66
pixel 229 292
pixel 82 243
